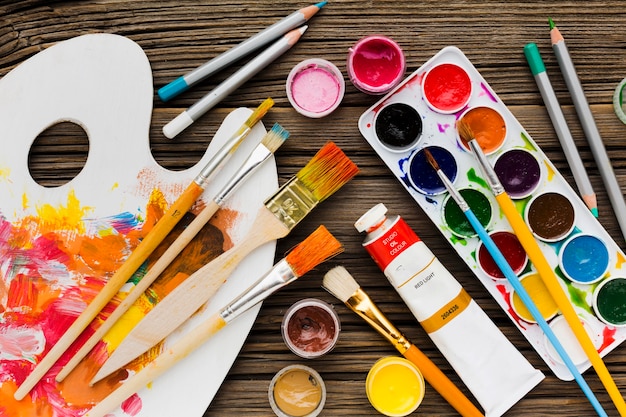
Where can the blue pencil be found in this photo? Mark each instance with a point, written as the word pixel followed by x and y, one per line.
pixel 508 272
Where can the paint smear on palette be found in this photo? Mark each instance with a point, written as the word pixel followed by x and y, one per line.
pixel 52 265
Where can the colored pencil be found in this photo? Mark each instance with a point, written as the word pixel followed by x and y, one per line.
pixel 261 153
pixel 544 269
pixel 317 248
pixel 294 20
pixel 589 125
pixel 206 103
pixel 512 277
pixel 579 172
pixel 342 285
pixel 327 171
pixel 150 242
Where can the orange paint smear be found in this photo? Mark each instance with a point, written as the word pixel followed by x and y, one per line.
pixel 78 393
pixel 28 407
pixel 225 219
pixel 488 127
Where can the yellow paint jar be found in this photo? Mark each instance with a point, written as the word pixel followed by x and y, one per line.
pixel 395 386
pixel 297 391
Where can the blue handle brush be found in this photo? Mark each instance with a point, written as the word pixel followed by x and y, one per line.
pixel 508 272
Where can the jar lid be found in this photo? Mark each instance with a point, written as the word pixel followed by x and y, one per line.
pixel 373 216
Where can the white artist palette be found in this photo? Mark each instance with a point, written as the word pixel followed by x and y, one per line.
pixel 437 131
pixel 104 84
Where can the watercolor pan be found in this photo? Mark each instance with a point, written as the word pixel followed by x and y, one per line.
pixel 439 132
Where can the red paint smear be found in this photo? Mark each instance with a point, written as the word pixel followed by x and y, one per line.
pixel 132 406
pixel 507 296
pixel 608 337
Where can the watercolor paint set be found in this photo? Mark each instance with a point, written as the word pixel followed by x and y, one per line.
pixel 422 112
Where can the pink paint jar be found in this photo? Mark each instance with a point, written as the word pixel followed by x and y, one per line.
pixel 315 87
pixel 376 64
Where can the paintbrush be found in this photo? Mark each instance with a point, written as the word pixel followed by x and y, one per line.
pixel 327 171
pixel 544 269
pixel 261 153
pixel 149 243
pixel 320 246
pixel 508 272
pixel 342 285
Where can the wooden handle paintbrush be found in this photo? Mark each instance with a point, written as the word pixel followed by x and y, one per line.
pixel 143 250
pixel 327 171
pixel 540 262
pixel 342 285
pixel 320 246
pixel 261 153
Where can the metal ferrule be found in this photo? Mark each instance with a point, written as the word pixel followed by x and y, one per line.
pixel 454 193
pixel 291 203
pixel 220 157
pixel 259 155
pixel 361 304
pixel 486 168
pixel 279 276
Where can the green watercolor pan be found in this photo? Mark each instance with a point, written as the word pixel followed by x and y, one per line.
pixel 526 173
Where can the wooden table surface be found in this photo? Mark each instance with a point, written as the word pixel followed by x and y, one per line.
pixel 177 36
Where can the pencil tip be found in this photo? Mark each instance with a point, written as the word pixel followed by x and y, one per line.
pixel 551 22
pixel 321 4
pixel 594 211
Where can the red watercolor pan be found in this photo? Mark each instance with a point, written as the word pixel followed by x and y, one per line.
pixel 447 88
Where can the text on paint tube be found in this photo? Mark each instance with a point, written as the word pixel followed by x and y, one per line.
pixel 393 243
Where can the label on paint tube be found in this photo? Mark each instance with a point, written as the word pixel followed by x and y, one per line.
pixel 494 371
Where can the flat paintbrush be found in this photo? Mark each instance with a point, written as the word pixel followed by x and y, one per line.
pixel 327 171
pixel 342 285
pixel 511 276
pixel 530 245
pixel 149 243
pixel 320 246
pixel 261 153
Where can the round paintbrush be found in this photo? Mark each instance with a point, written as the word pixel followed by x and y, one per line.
pixel 342 285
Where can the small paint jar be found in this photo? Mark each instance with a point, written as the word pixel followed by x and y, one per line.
pixel 563 332
pixel 539 294
pixel 487 125
pixel 609 301
pixel 511 249
pixel 398 127
pixel 376 64
pixel 297 391
pixel 550 216
pixel 395 386
pixel 424 178
pixel 315 87
pixel 584 259
pixel 310 328
pixel 456 221
pixel 519 172
pixel 447 88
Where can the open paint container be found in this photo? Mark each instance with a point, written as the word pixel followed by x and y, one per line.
pixel 315 87
pixel 609 301
pixel 537 291
pixel 376 64
pixel 584 259
pixel 511 249
pixel 550 216
pixel 297 391
pixel 456 220
pixel 310 328
pixel 444 90
pixel 399 127
pixel 563 332
pixel 395 386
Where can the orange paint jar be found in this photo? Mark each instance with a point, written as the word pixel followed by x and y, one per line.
pixel 488 127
